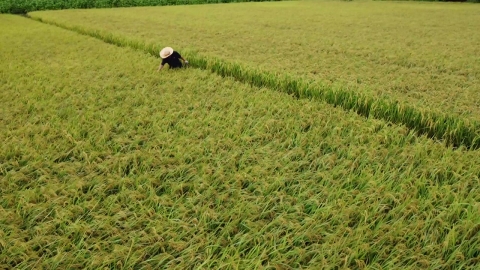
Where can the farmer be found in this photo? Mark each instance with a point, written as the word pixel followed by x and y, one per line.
pixel 171 57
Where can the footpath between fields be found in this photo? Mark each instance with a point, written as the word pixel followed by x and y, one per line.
pixel 453 131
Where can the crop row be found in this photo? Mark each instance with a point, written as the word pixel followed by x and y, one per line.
pixel 452 129
pixel 24 6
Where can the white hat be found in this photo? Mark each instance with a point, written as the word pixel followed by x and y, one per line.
pixel 165 52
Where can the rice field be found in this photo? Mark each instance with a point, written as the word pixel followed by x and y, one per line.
pixel 106 163
pixel 422 54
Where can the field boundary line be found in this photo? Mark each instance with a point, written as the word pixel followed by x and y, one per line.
pixel 452 130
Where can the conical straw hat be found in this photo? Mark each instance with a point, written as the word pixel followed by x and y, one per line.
pixel 165 52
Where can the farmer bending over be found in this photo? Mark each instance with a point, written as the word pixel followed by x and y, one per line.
pixel 171 57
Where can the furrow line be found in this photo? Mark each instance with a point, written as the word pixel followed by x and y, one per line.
pixel 453 131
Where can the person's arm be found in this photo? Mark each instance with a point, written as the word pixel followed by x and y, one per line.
pixel 161 65
pixel 181 57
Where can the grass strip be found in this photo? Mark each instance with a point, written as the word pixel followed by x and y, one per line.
pixel 452 130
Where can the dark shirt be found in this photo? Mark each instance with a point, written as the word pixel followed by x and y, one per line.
pixel 173 60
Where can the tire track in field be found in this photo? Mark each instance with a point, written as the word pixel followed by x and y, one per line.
pixel 453 131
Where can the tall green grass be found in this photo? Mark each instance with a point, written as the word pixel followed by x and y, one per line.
pixel 454 131
pixel 24 6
